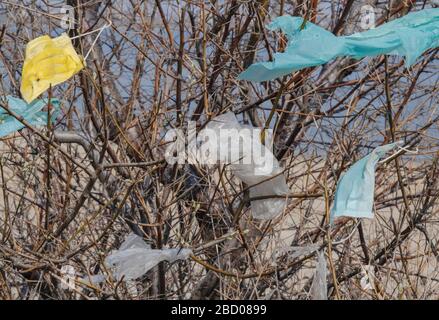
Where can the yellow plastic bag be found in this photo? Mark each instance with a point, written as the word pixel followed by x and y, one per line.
pixel 48 62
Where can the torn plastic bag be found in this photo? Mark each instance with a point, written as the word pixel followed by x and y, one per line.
pixel 355 189
pixel 251 161
pixel 48 62
pixel 408 36
pixel 319 286
pixel 135 258
pixel 30 112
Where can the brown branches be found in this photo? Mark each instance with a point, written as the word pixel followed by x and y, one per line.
pixel 72 190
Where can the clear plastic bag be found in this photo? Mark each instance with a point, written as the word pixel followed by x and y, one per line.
pixel 135 258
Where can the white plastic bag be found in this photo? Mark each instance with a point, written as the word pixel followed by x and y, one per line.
pixel 250 161
pixel 134 258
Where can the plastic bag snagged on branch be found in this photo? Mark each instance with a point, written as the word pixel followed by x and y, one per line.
pixel 355 189
pixel 30 112
pixel 48 62
pixel 408 36
pixel 135 258
pixel 239 146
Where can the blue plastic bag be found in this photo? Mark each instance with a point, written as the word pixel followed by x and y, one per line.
pixel 408 36
pixel 30 112
pixel 355 189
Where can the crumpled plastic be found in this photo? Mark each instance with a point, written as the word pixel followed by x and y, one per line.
pixel 30 112
pixel 319 286
pixel 408 36
pixel 260 171
pixel 135 258
pixel 48 62
pixel 355 189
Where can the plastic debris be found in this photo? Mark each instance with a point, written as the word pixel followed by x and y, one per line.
pixel 94 279
pixel 30 112
pixel 48 62
pixel 135 258
pixel 408 36
pixel 355 189
pixel 319 286
pixel 367 279
pixel 260 170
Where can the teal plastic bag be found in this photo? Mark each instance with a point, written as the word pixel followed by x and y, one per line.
pixel 355 189
pixel 408 36
pixel 30 112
